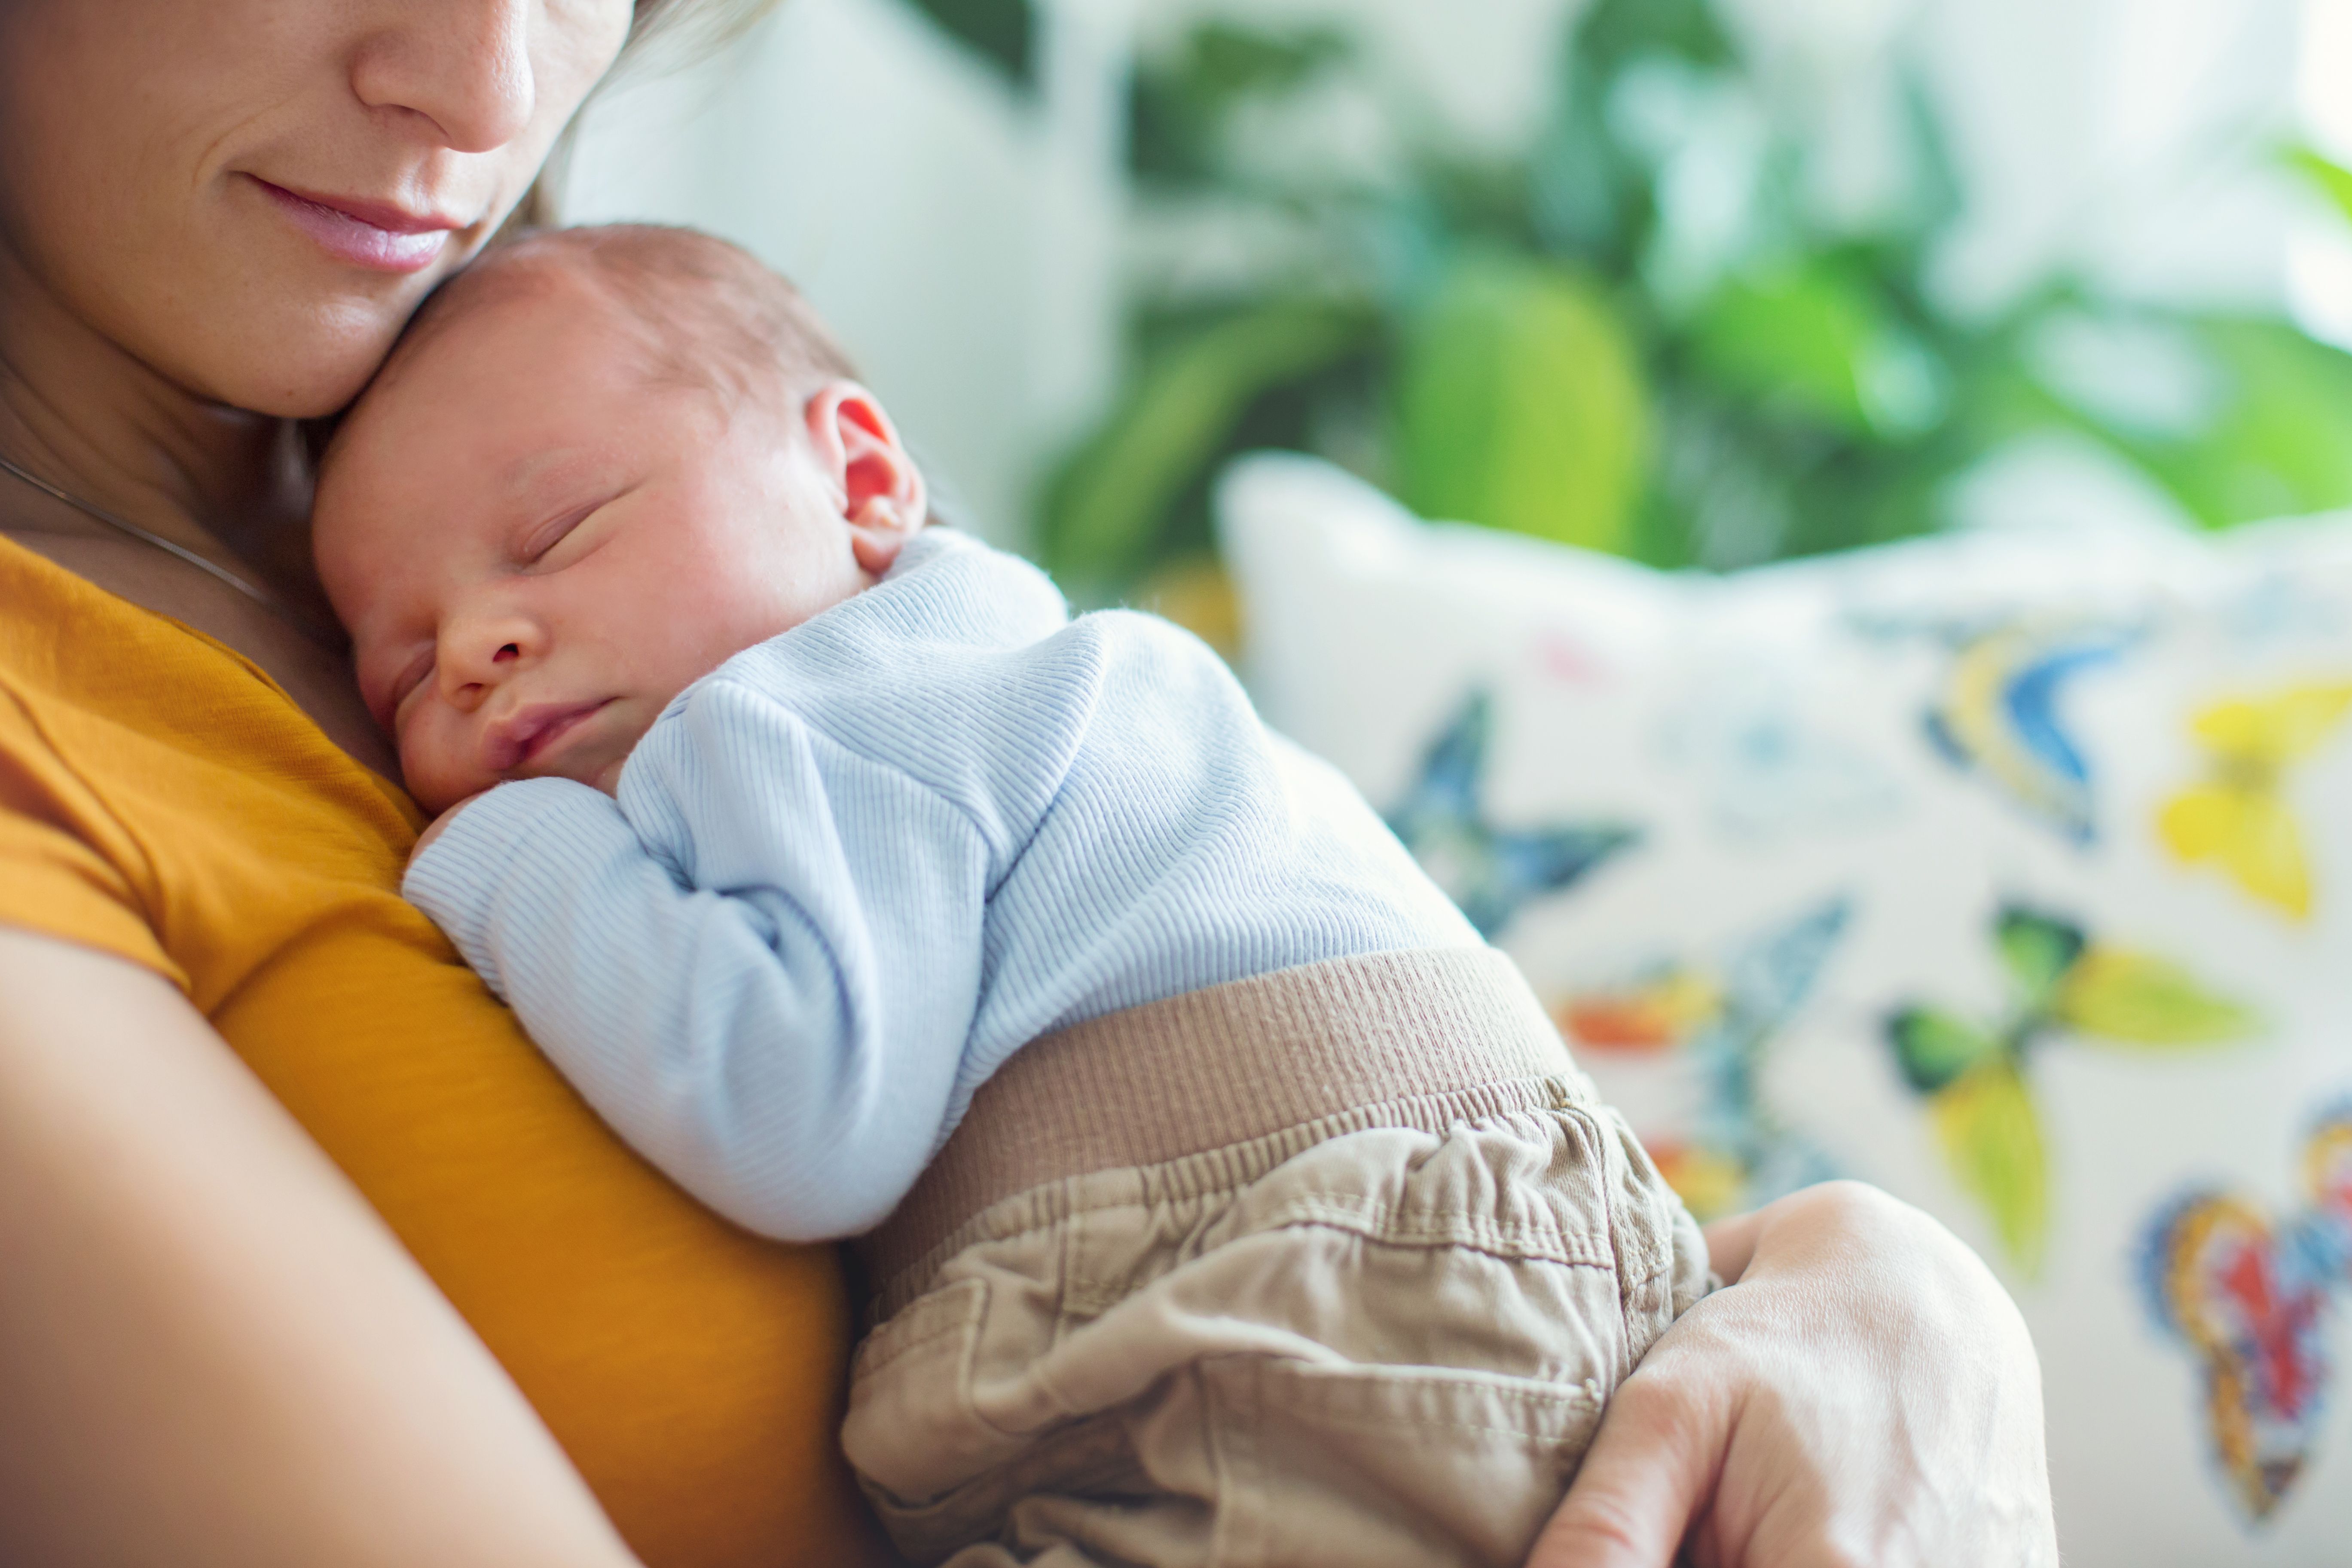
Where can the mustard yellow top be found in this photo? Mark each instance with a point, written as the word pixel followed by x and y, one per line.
pixel 163 800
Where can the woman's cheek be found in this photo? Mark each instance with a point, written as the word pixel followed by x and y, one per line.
pixel 579 43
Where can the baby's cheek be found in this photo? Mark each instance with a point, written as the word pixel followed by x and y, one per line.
pixel 434 769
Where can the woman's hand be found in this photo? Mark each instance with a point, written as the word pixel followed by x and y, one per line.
pixel 1864 1393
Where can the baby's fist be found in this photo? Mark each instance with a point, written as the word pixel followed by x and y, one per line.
pixel 440 823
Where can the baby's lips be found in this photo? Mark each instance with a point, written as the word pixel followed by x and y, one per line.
pixel 521 736
pixel 502 749
pixel 507 741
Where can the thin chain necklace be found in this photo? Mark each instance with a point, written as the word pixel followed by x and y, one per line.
pixel 258 595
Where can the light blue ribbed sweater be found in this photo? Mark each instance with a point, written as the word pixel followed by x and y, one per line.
pixel 851 871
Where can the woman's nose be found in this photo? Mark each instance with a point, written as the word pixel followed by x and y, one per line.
pixel 462 66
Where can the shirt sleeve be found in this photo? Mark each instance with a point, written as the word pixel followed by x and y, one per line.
pixel 54 884
pixel 760 965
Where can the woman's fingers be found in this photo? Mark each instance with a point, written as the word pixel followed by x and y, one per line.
pixel 1655 1461
pixel 1650 1470
pixel 1866 1392
pixel 1731 1243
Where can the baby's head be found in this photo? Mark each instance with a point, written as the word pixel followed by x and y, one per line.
pixel 600 462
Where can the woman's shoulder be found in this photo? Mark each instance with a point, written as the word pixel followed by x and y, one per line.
pixel 121 735
pixel 142 762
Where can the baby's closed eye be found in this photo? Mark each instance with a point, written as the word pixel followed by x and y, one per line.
pixel 538 548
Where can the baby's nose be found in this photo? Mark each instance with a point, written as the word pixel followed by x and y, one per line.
pixel 466 695
pixel 481 644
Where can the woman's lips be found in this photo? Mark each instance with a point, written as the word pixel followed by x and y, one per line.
pixel 529 734
pixel 374 235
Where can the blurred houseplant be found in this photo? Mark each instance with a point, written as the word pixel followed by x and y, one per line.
pixel 1639 333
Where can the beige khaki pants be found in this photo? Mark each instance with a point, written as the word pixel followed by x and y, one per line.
pixel 1384 1337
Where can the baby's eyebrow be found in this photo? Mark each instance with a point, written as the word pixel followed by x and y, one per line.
pixel 541 469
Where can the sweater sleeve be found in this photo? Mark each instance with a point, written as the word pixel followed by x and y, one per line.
pixel 760 965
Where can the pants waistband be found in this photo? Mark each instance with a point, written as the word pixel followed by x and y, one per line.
pixel 1220 1066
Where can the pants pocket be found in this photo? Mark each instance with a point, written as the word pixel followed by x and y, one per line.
pixel 1387 1466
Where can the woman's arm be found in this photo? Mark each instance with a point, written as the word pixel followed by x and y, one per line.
pixel 211 1349
pixel 1863 1392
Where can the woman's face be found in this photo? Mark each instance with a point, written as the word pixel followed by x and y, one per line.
pixel 251 196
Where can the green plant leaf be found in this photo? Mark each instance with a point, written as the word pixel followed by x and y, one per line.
pixel 1614 32
pixel 1183 99
pixel 2037 949
pixel 1991 1136
pixel 1826 399
pixel 1933 1048
pixel 1106 511
pixel 2133 999
pixel 2332 179
pixel 2282 442
pixel 1814 346
pixel 1001 32
pixel 1521 405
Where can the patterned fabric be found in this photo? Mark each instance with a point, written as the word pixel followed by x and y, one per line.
pixel 2012 871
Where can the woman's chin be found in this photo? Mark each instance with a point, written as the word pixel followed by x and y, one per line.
pixel 316 377
pixel 309 344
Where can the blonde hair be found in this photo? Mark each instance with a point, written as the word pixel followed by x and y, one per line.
pixel 698 26
pixel 687 30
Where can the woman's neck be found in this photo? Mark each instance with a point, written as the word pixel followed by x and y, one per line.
pixel 80 411
pixel 90 418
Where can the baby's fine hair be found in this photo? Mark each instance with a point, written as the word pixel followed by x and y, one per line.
pixel 709 313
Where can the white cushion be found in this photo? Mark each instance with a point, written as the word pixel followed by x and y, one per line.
pixel 2011 871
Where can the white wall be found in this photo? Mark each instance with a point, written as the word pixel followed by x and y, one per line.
pixel 958 237
pixel 2319 251
pixel 2129 139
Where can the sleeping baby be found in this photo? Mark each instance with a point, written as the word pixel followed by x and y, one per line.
pixel 1223 1197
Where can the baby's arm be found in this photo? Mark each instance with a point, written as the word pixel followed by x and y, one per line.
pixel 760 965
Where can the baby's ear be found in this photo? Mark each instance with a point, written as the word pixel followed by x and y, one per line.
pixel 883 499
